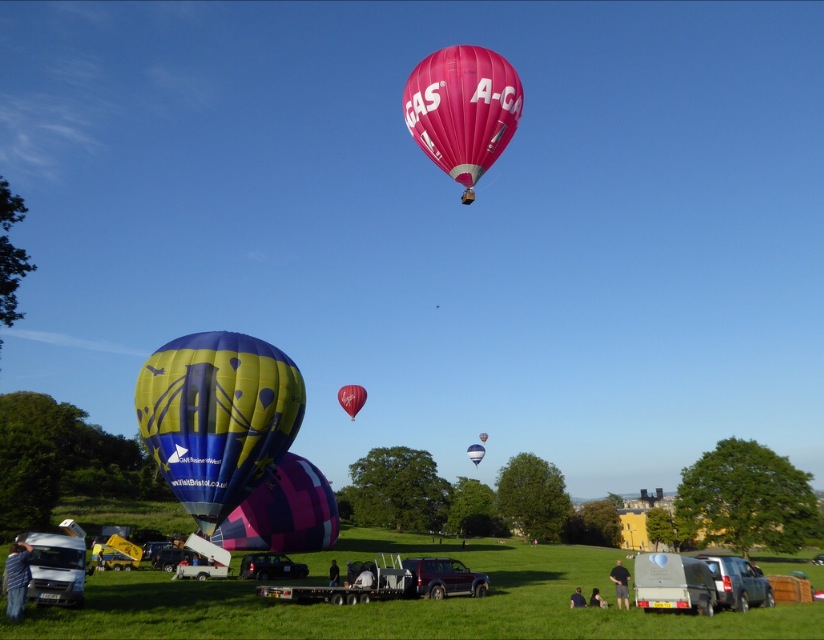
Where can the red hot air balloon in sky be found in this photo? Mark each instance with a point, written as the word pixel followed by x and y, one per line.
pixel 462 106
pixel 352 397
pixel 483 437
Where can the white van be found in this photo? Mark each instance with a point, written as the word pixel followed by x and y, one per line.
pixel 58 569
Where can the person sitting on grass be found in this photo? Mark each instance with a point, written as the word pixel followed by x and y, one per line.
pixel 597 600
pixel 577 599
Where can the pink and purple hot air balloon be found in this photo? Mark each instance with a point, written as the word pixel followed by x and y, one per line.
pixel 294 510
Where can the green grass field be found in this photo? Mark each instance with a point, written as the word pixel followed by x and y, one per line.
pixel 529 597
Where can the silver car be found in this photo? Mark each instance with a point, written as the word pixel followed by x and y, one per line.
pixel 739 583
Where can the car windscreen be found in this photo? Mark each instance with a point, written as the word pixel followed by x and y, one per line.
pixel 58 558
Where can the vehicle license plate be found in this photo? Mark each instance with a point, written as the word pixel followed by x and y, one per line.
pixel 50 596
pixel 662 605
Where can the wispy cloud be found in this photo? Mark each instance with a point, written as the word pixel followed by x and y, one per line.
pixel 38 129
pixel 62 340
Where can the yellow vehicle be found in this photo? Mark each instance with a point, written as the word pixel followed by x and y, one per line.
pixel 118 554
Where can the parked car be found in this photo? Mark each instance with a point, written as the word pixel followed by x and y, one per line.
pixel 740 585
pixel 819 559
pixel 168 559
pixel 437 578
pixel 265 566
pixel 151 549
pixel 143 536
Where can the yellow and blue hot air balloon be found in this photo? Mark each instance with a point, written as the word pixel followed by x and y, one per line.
pixel 214 410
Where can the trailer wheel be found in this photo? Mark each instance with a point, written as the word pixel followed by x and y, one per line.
pixel 705 608
pixel 352 599
pixel 365 598
pixel 338 599
pixel 117 567
pixel 202 576
pixel 128 567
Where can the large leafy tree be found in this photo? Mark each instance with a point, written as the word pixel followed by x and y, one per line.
pixel 660 527
pixel 596 523
pixel 532 497
pixel 14 262
pixel 472 511
pixel 34 440
pixel 602 523
pixel 743 495
pixel 399 488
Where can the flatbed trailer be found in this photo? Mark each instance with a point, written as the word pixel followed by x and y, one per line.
pixel 392 582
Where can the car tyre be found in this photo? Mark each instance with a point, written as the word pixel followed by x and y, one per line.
pixel 706 609
pixel 168 568
pixel 769 601
pixel 117 567
pixel 128 567
pixel 743 603
pixel 263 576
pixel 437 593
pixel 481 591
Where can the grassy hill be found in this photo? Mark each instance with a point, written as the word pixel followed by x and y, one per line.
pixel 529 596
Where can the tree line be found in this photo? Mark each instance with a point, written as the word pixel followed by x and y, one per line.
pixel 741 495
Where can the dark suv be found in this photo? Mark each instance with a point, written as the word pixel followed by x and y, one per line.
pixel 438 578
pixel 739 583
pixel 819 559
pixel 263 566
pixel 168 559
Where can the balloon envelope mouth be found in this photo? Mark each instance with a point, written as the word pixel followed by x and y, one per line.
pixel 466 180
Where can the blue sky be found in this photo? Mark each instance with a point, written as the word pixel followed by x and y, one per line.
pixel 639 277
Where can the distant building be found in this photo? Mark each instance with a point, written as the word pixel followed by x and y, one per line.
pixel 634 519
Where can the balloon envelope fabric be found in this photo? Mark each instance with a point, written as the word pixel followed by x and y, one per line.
pixel 215 409
pixel 293 510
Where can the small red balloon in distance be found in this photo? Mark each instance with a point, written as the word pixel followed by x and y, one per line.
pixel 483 437
pixel 352 397
pixel 462 105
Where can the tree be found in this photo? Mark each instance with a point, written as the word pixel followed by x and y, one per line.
pixel 344 499
pixel 602 524
pixel 32 434
pixel 14 262
pixel 616 500
pixel 532 497
pixel 399 488
pixel 472 510
pixel 660 527
pixel 744 495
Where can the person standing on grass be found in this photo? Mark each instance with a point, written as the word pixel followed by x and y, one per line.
pixel 334 574
pixel 620 576
pixel 16 579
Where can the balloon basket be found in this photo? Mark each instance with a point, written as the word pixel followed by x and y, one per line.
pixel 468 197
